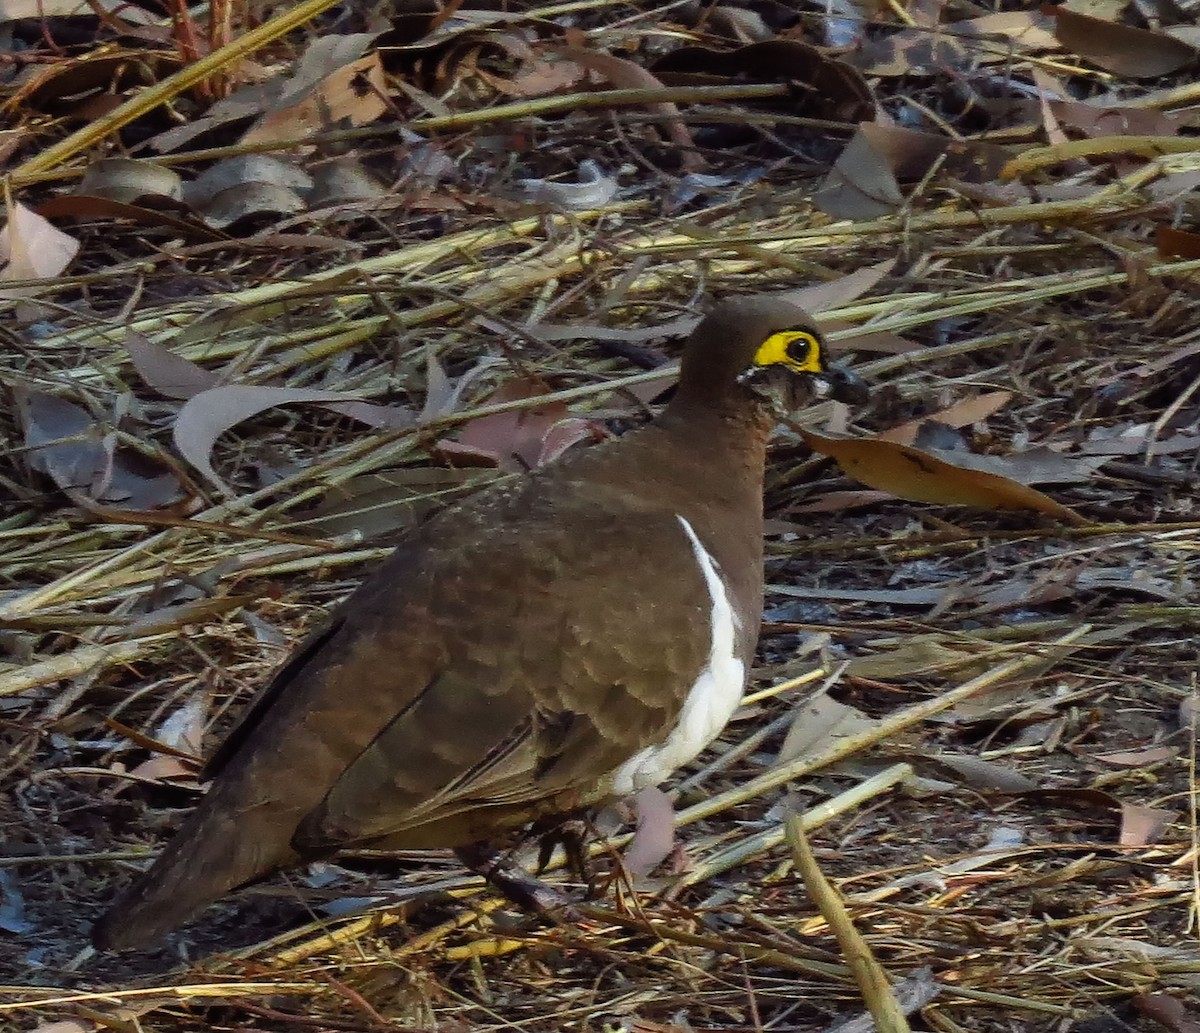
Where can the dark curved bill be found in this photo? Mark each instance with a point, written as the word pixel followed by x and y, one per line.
pixel 842 385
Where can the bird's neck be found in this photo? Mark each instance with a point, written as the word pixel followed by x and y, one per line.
pixel 719 423
pixel 724 445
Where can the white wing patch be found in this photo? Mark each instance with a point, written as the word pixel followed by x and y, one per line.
pixel 710 702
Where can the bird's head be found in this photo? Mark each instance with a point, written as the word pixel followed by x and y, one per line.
pixel 769 347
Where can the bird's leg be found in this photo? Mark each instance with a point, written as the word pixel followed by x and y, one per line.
pixel 524 890
pixel 572 835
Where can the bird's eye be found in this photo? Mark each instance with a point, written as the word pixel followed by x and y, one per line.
pixel 800 347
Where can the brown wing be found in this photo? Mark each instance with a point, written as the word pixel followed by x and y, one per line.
pixel 564 672
pixel 493 660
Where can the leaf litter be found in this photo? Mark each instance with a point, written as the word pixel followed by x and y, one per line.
pixel 990 211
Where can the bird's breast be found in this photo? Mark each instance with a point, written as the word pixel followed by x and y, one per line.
pixel 713 696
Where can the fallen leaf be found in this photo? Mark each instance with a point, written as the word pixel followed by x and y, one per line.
pixel 354 93
pixel 566 434
pixel 183 730
pixel 836 501
pixel 820 297
pixel 513 440
pixel 1165 1009
pixel 169 374
pixel 87 463
pixel 63 1026
pixel 343 181
pixel 864 181
pixel 541 78
pixel 965 413
pixel 912 474
pixel 127 180
pixel 1123 49
pixel 915 51
pixel 818 722
pixel 861 185
pixel 1173 242
pixel 180 219
pixel 32 249
pixel 627 75
pixel 920 656
pixel 823 86
pixel 16 10
pixel 12 907
pixel 209 414
pixel 1136 758
pixel 244 171
pixel 984 774
pixel 1000 35
pixel 238 206
pixel 1141 826
pixel 592 189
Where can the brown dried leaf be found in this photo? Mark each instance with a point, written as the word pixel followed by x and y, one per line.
pixel 836 501
pixel 860 186
pixel 541 78
pixel 334 83
pixel 1169 1012
pixel 566 434
pixel 1114 120
pixel 152 212
pixel 918 476
pixel 961 414
pixel 825 87
pixel 1123 49
pixel 1176 243
pixel 864 181
pixel 833 293
pixel 912 52
pixel 1136 758
pixel 65 87
pixel 626 75
pixel 354 94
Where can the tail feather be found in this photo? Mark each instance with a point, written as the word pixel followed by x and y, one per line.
pixel 215 851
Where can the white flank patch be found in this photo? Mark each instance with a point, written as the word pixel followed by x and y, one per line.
pixel 710 702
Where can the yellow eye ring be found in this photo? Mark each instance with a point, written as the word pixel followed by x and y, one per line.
pixel 799 350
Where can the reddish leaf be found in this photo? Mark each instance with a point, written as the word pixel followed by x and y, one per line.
pixel 513 440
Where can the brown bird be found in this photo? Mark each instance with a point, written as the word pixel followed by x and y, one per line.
pixel 545 646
